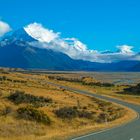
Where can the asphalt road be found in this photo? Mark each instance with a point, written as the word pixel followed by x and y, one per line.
pixel 129 131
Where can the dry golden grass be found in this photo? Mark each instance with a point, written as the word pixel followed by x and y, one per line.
pixel 108 91
pixel 13 128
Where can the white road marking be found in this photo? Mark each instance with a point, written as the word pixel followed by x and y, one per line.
pixel 131 139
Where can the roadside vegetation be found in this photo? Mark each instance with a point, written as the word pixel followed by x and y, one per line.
pixel 83 80
pixel 135 89
pixel 19 97
pixel 73 112
pixel 33 114
pixel 126 91
pixel 32 109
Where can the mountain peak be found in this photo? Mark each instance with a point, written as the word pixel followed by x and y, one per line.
pixel 22 35
pixel 19 35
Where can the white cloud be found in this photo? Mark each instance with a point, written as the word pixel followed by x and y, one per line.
pixel 4 28
pixel 40 33
pixel 48 39
pixel 76 43
pixel 125 49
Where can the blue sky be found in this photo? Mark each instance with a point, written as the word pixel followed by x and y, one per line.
pixel 100 24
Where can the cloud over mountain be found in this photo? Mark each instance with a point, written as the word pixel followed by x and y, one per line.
pixel 48 39
pixel 4 28
pixel 40 33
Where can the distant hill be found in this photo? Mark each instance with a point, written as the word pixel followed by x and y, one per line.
pixel 136 67
pixel 16 51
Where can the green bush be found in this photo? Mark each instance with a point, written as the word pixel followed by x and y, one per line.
pixel 19 97
pixel 29 113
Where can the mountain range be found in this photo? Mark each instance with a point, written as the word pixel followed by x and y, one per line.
pixel 22 49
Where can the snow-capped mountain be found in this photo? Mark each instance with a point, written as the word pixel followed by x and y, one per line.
pixel 37 47
pixel 48 39
pixel 19 34
pixel 20 49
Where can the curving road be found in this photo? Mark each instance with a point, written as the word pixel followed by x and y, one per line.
pixel 129 131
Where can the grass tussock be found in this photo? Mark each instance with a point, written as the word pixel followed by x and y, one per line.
pixel 133 89
pixel 93 82
pixel 84 80
pixel 35 108
pixel 19 97
pixel 72 112
pixel 30 113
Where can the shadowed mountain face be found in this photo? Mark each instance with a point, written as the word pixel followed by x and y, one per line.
pixel 16 51
pixel 14 55
pixel 136 67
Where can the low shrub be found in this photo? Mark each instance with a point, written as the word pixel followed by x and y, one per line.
pixel 3 78
pixel 72 112
pixel 133 89
pixel 19 97
pixel 61 78
pixel 67 113
pixel 89 81
pixel 116 113
pixel 101 103
pixel 19 81
pixel 85 114
pixel 107 84
pixel 93 82
pixel 110 115
pixel 29 113
pixel 84 80
pixel 102 117
pixel 7 110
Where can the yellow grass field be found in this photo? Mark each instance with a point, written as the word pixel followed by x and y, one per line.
pixel 115 91
pixel 12 127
